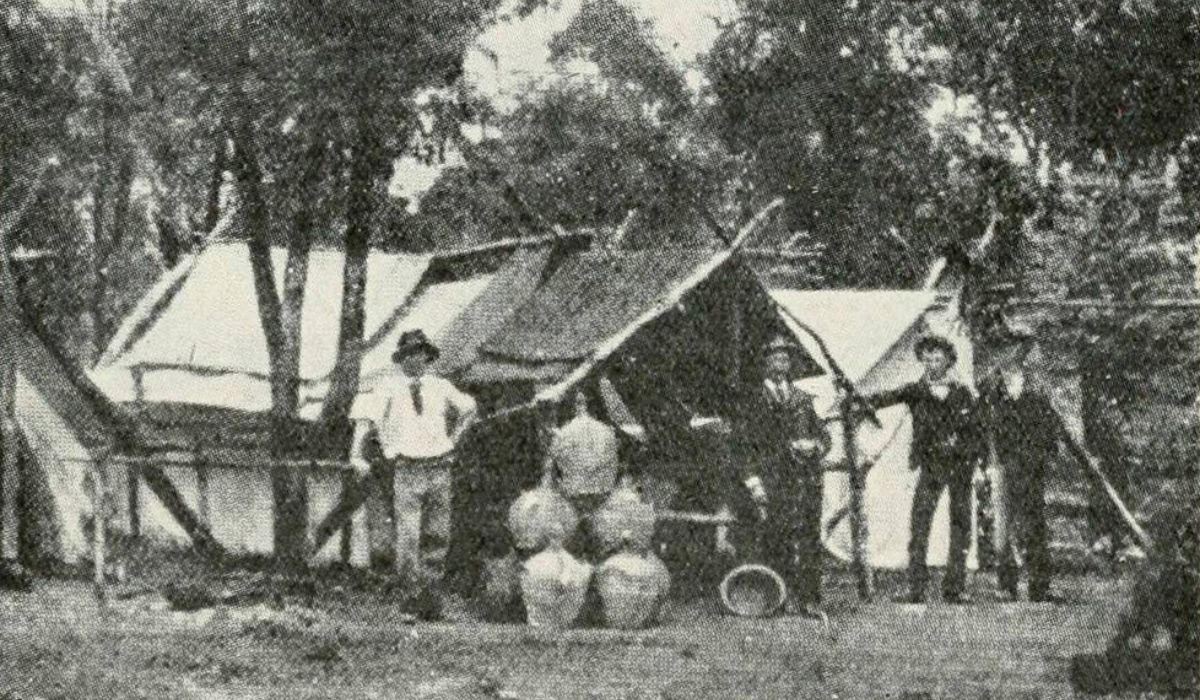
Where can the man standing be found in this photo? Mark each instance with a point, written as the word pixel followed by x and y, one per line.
pixel 785 440
pixel 947 448
pixel 410 423
pixel 1026 431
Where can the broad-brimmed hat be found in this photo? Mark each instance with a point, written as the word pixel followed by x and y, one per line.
pixel 412 342
pixel 781 343
pixel 935 342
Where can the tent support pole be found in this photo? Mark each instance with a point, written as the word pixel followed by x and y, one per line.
pixel 1091 465
pixel 354 494
pixel 863 576
pixel 192 524
pixel 99 525
pixel 10 486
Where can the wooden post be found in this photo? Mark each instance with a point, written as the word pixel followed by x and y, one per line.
pixel 858 511
pixel 99 522
pixel 10 487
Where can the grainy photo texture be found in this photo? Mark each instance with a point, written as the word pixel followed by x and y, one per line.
pixel 612 349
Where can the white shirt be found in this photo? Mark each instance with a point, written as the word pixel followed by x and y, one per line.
pixel 405 431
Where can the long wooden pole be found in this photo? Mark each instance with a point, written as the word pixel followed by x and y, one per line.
pixel 863 576
pixel 1075 445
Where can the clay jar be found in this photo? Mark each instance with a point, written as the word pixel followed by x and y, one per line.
pixel 624 515
pixel 553 587
pixel 633 586
pixel 540 517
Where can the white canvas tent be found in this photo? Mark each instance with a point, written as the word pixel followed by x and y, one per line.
pixel 871 333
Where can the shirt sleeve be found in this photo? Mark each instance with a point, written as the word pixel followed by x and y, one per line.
pixel 902 394
pixel 365 407
pixel 461 401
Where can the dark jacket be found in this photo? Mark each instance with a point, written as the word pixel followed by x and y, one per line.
pixel 769 426
pixel 948 433
pixel 1025 429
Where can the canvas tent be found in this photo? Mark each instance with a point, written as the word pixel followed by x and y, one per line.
pixel 514 321
pixel 872 334
pixel 64 435
pixel 517 323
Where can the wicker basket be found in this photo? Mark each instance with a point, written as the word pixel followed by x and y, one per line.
pixel 753 590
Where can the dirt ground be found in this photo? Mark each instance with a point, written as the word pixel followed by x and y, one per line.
pixel 55 642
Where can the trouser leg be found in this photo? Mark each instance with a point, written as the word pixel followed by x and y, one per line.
pixel 808 541
pixel 1037 546
pixel 925 498
pixel 410 488
pixel 436 526
pixel 960 535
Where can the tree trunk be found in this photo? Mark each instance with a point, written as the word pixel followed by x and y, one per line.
pixel 100 325
pixel 212 205
pixel 295 278
pixel 288 486
pixel 359 210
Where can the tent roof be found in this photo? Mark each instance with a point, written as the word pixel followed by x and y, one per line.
pixel 859 326
pixel 587 300
pixel 211 322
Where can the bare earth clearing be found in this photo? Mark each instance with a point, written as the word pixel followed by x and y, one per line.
pixel 58 645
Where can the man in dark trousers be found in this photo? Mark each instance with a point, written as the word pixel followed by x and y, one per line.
pixel 783 442
pixel 1026 432
pixel 947 447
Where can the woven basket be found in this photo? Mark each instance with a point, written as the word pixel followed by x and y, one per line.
pixel 753 590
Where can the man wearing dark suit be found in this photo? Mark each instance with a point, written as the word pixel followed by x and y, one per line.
pixel 1026 431
pixel 947 447
pixel 783 443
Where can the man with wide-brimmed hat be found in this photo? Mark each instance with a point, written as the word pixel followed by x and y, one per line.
pixel 948 446
pixel 409 423
pixel 783 440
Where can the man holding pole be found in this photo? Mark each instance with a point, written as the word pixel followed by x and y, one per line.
pixel 409 425
pixel 947 448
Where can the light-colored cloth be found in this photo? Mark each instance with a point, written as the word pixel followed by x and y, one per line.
pixel 403 429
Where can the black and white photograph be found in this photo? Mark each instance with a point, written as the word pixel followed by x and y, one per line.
pixel 600 349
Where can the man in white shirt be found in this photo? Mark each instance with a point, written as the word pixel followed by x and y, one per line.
pixel 411 422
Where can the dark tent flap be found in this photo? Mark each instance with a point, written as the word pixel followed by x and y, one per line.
pixel 511 287
pixel 589 299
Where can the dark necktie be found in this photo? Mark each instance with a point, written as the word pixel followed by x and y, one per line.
pixel 415 389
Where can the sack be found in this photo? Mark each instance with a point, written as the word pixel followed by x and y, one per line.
pixel 540 517
pixel 625 515
pixel 553 587
pixel 632 588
